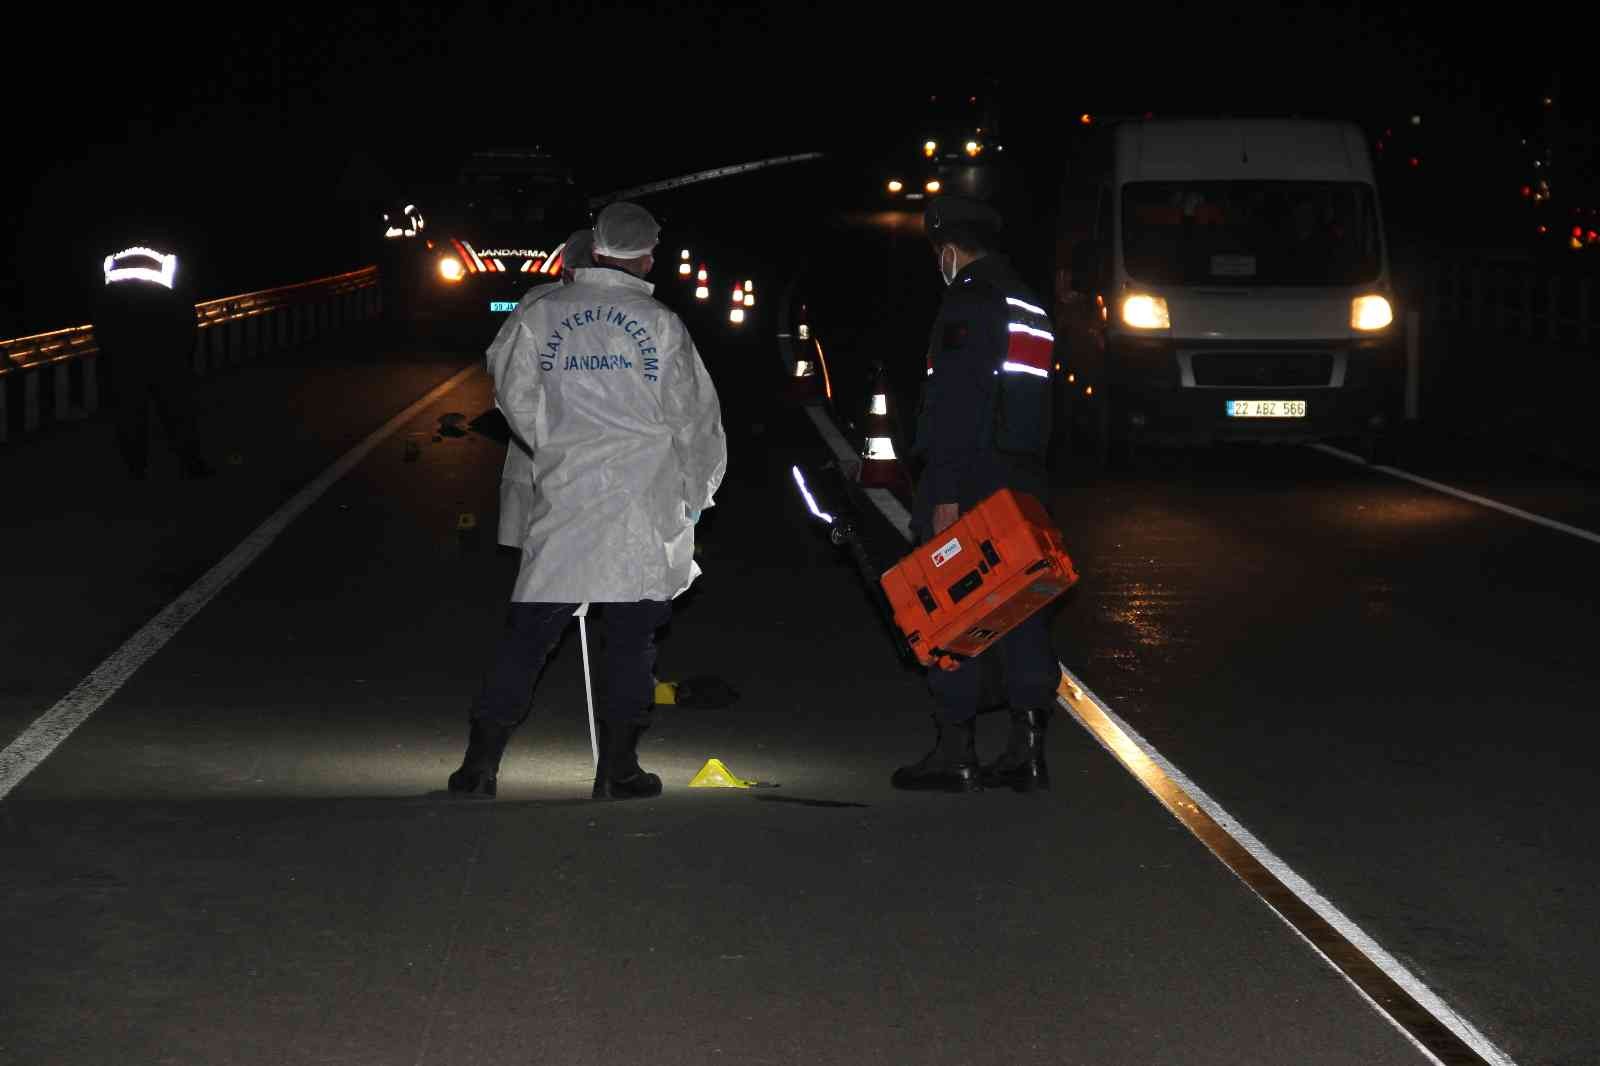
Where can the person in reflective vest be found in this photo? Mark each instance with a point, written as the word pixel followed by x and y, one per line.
pixel 984 425
pixel 144 327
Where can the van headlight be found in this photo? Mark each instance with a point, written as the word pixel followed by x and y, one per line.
pixel 450 268
pixel 1142 311
pixel 1370 313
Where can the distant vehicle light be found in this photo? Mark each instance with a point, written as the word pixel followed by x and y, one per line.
pixel 1085 118
pixel 684 255
pixel 1146 312
pixel 684 270
pixel 749 286
pixel 933 186
pixel 736 316
pixel 701 276
pixel 973 148
pixel 1369 313
pixel 930 147
pixel 702 293
pixel 450 268
pixel 895 186
pixel 749 299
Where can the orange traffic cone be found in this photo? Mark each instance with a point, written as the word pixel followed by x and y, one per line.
pixel 880 466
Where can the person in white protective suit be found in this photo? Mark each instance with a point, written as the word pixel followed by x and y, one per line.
pixel 516 478
pixel 605 386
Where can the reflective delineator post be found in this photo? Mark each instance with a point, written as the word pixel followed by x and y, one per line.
pixel 880 466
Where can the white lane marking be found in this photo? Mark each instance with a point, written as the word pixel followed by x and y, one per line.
pixel 1470 497
pixel 848 460
pixel 1302 889
pixel 35 744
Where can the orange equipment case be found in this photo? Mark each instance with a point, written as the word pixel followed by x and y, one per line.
pixel 976 581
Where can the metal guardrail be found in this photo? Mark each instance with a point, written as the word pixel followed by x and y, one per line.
pixel 703 175
pixel 231 329
pixel 1515 299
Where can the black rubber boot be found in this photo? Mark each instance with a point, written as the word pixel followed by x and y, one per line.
pixel 480 767
pixel 192 465
pixel 952 765
pixel 1021 766
pixel 619 775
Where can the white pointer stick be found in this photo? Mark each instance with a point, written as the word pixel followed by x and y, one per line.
pixel 588 691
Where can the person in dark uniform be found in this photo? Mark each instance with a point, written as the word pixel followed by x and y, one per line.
pixel 144 326
pixel 984 425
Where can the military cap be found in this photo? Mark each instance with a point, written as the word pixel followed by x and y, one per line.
pixel 959 214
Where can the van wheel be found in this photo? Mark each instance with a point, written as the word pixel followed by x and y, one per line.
pixel 1110 443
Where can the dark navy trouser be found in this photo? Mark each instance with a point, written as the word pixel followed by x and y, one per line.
pixel 623 657
pixel 1028 660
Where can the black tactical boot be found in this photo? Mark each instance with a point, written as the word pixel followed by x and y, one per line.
pixel 952 765
pixel 486 742
pixel 619 775
pixel 1021 766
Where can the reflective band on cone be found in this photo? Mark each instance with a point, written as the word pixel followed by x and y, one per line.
pixel 880 465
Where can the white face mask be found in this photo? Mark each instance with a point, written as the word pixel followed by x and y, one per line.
pixel 950 275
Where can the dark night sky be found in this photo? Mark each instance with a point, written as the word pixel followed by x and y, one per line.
pixel 308 110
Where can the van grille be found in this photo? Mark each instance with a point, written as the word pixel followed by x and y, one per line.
pixel 1264 370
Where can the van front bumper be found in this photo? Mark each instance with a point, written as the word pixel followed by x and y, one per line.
pixel 1160 387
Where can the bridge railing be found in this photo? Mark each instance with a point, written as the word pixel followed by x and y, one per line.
pixel 232 330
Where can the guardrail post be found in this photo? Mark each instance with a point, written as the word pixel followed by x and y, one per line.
pixel 30 401
pixel 1583 311
pixel 62 374
pixel 91 384
pixel 1413 364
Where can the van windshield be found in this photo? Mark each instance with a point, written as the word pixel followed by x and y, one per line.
pixel 1250 233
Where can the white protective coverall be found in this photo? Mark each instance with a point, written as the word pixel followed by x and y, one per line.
pixel 604 384
pixel 516 477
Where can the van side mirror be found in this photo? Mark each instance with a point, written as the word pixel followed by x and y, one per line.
pixel 1086 256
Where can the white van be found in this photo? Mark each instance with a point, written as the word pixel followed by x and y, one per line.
pixel 1231 280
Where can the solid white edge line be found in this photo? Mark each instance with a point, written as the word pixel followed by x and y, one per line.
pixel 36 743
pixel 1396 972
pixel 1302 889
pixel 1482 501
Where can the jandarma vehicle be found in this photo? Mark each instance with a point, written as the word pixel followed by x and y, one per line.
pixel 496 231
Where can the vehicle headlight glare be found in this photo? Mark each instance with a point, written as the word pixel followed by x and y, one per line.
pixel 896 185
pixel 1369 313
pixel 1146 312
pixel 450 268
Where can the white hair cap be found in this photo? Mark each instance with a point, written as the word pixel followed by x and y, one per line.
pixel 625 231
